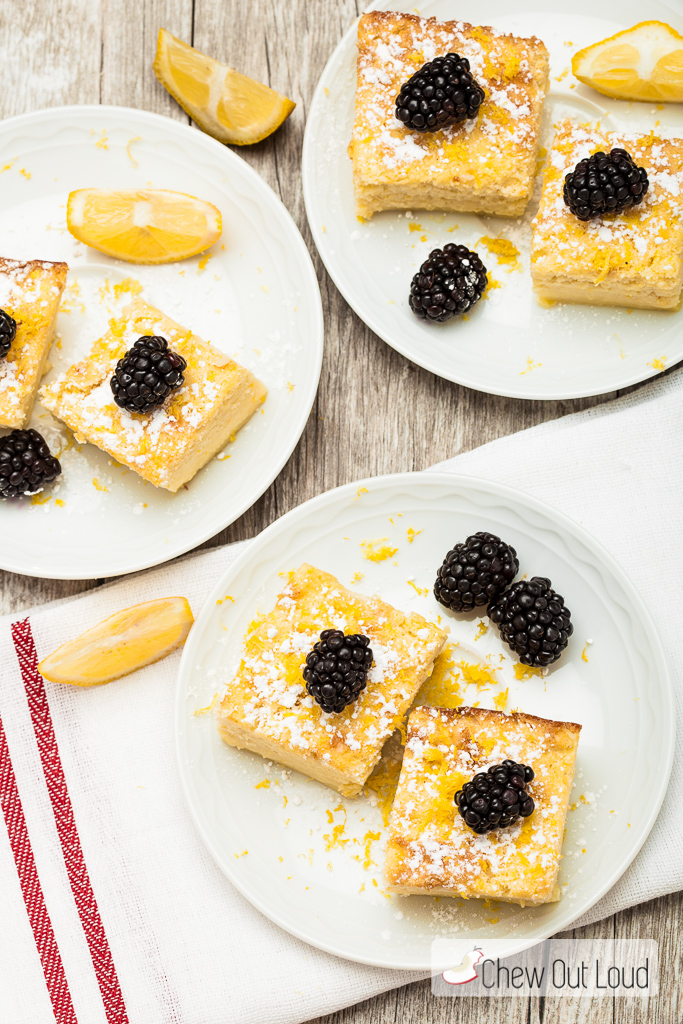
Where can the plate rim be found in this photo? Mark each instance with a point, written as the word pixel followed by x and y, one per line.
pixel 327 255
pixel 309 285
pixel 559 519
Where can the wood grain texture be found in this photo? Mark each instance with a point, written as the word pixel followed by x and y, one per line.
pixel 375 412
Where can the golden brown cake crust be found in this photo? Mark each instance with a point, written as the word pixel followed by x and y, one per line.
pixel 431 849
pixel 634 259
pixel 173 442
pixel 30 292
pixel 266 708
pixel 486 165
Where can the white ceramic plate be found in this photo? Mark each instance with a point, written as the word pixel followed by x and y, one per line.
pixel 275 850
pixel 256 298
pixel 510 345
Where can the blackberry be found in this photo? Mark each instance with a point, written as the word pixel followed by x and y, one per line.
pixel 147 375
pixel 533 620
pixel 496 798
pixel 442 90
pixel 448 283
pixel 26 465
pixel 8 332
pixel 337 668
pixel 605 183
pixel 475 572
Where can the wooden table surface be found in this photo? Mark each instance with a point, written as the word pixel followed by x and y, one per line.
pixel 375 411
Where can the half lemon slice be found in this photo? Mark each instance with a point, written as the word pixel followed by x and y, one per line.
pixel 643 63
pixel 225 104
pixel 124 642
pixel 143 225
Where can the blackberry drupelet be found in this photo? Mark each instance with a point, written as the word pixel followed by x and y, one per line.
pixel 533 620
pixel 8 332
pixel 447 284
pixel 496 798
pixel 147 375
pixel 605 183
pixel 26 465
pixel 442 90
pixel 337 668
pixel 475 572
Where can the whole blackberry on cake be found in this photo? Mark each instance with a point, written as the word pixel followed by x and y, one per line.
pixel 337 668
pixel 8 332
pixel 475 572
pixel 496 798
pixel 605 183
pixel 442 90
pixel 147 375
pixel 26 465
pixel 533 620
pixel 447 284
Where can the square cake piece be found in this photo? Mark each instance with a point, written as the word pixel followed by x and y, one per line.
pixel 168 446
pixel 487 164
pixel 431 851
pixel 632 259
pixel 30 293
pixel 266 707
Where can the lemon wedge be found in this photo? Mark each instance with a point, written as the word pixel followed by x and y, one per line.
pixel 643 63
pixel 225 104
pixel 124 642
pixel 143 225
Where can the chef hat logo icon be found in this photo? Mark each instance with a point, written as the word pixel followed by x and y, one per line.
pixel 466 970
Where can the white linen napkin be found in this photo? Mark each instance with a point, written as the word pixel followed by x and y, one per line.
pixel 187 948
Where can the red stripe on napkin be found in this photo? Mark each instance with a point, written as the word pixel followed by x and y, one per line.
pixel 77 871
pixel 48 950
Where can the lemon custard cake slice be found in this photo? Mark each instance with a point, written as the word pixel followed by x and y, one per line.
pixel 631 258
pixel 268 709
pixel 481 159
pixel 433 850
pixel 210 397
pixel 29 300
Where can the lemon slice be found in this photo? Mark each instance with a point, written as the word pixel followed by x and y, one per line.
pixel 143 226
pixel 124 642
pixel 643 63
pixel 225 104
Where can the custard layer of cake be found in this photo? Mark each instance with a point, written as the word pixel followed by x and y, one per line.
pixel 432 851
pixel 30 292
pixel 485 165
pixel 169 445
pixel 633 259
pixel 266 708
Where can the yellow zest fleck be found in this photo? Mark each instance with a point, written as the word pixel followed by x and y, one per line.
pixel 377 550
pixel 361 490
pixel 129 286
pixel 98 486
pixel 482 629
pixel 203 262
pixel 357 577
pixel 58 501
pixel 506 251
pixel 209 707
pixel 658 364
pixel 226 598
pixel 330 816
pixel 132 159
pixel 362 888
pixel 40 499
pixel 6 167
pixel 280 859
pixel 481 676
pixel 26 174
pixel 526 671
pixel 422 591
pixel 412 534
pixel 530 365
pixel 222 456
pixel 491 284
pixel 584 656
pixel 558 78
pixel 369 838
pixel 284 804
pixel 501 699
pixel 102 141
pixel 290 386
pixel 264 784
pixel 414 227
